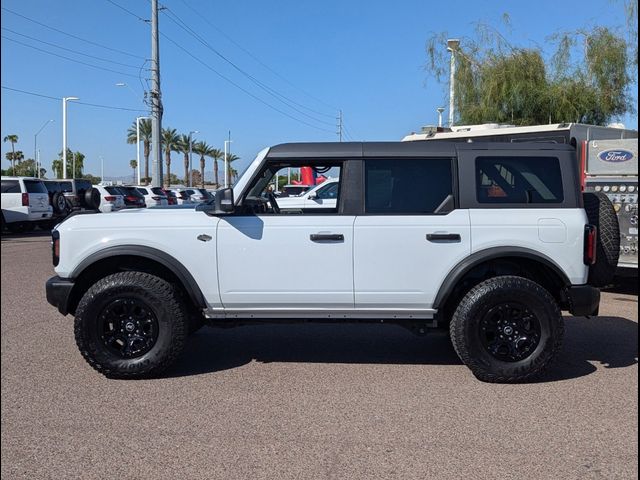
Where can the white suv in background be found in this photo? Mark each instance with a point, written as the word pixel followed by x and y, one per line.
pixel 153 196
pixel 109 202
pixel 324 195
pixel 25 203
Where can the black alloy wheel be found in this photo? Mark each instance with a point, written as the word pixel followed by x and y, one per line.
pixel 128 327
pixel 510 332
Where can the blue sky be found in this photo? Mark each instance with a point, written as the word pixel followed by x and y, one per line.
pixel 365 58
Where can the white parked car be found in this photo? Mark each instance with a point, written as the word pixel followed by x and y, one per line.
pixel 489 241
pixel 153 196
pixel 197 195
pixel 183 197
pixel 25 203
pixel 109 202
pixel 324 195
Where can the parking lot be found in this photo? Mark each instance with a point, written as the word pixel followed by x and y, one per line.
pixel 310 401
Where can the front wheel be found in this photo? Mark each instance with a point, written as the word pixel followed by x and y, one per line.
pixel 130 325
pixel 507 329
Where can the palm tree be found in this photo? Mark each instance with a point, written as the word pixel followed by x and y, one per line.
pixel 201 148
pixel 185 146
pixel 216 155
pixel 134 165
pixel 145 136
pixel 13 138
pixel 231 172
pixel 169 142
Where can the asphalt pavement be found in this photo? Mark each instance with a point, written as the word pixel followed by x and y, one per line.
pixel 310 401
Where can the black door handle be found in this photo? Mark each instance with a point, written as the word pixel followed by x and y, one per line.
pixel 444 237
pixel 326 237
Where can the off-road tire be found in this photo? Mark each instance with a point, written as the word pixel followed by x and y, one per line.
pixel 465 329
pixel 91 198
pixel 601 213
pixel 59 203
pixel 163 301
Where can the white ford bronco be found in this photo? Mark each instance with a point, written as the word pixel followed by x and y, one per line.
pixel 490 241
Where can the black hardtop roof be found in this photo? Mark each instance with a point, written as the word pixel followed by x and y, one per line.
pixel 397 149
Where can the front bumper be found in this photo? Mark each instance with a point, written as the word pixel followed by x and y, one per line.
pixel 584 300
pixel 59 292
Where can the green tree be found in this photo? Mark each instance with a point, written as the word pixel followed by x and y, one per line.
pixel 169 144
pixel 15 157
pixel 499 82
pixel 200 148
pixel 92 179
pixel 76 172
pixel 145 137
pixel 216 155
pixel 13 139
pixel 134 165
pixel 185 145
pixel 231 172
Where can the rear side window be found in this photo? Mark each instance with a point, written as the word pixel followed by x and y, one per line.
pixel 52 187
pixel 82 186
pixel 407 186
pixel 66 187
pixel 10 186
pixel 519 180
pixel 157 190
pixel 113 190
pixel 34 186
pixel 143 191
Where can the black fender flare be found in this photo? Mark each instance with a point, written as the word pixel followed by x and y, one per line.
pixel 178 269
pixel 475 259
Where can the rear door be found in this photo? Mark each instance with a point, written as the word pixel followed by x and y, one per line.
pixel 410 236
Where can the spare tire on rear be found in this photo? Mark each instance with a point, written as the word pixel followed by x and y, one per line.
pixel 59 203
pixel 92 198
pixel 601 213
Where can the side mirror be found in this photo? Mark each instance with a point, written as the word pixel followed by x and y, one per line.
pixel 224 201
pixel 312 196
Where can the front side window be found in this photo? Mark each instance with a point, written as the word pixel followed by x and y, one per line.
pixel 280 176
pixel 328 192
pixel 407 186
pixel 520 180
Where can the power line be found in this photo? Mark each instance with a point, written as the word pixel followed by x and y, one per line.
pixel 71 35
pixel 203 18
pixel 70 50
pixel 69 58
pixel 206 65
pixel 282 98
pixel 110 107
pixel 126 10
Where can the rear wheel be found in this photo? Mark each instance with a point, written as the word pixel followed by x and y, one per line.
pixel 130 325
pixel 507 329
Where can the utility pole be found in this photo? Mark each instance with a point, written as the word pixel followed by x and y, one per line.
pixel 340 125
pixel 156 98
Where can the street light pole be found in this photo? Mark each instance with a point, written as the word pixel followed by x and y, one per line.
pixel 190 165
pixel 36 157
pixel 452 46
pixel 64 134
pixel 226 162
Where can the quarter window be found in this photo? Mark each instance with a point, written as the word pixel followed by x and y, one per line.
pixel 10 186
pixel 518 180
pixel 407 186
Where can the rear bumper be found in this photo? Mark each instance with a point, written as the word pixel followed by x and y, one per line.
pixel 58 293
pixel 584 300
